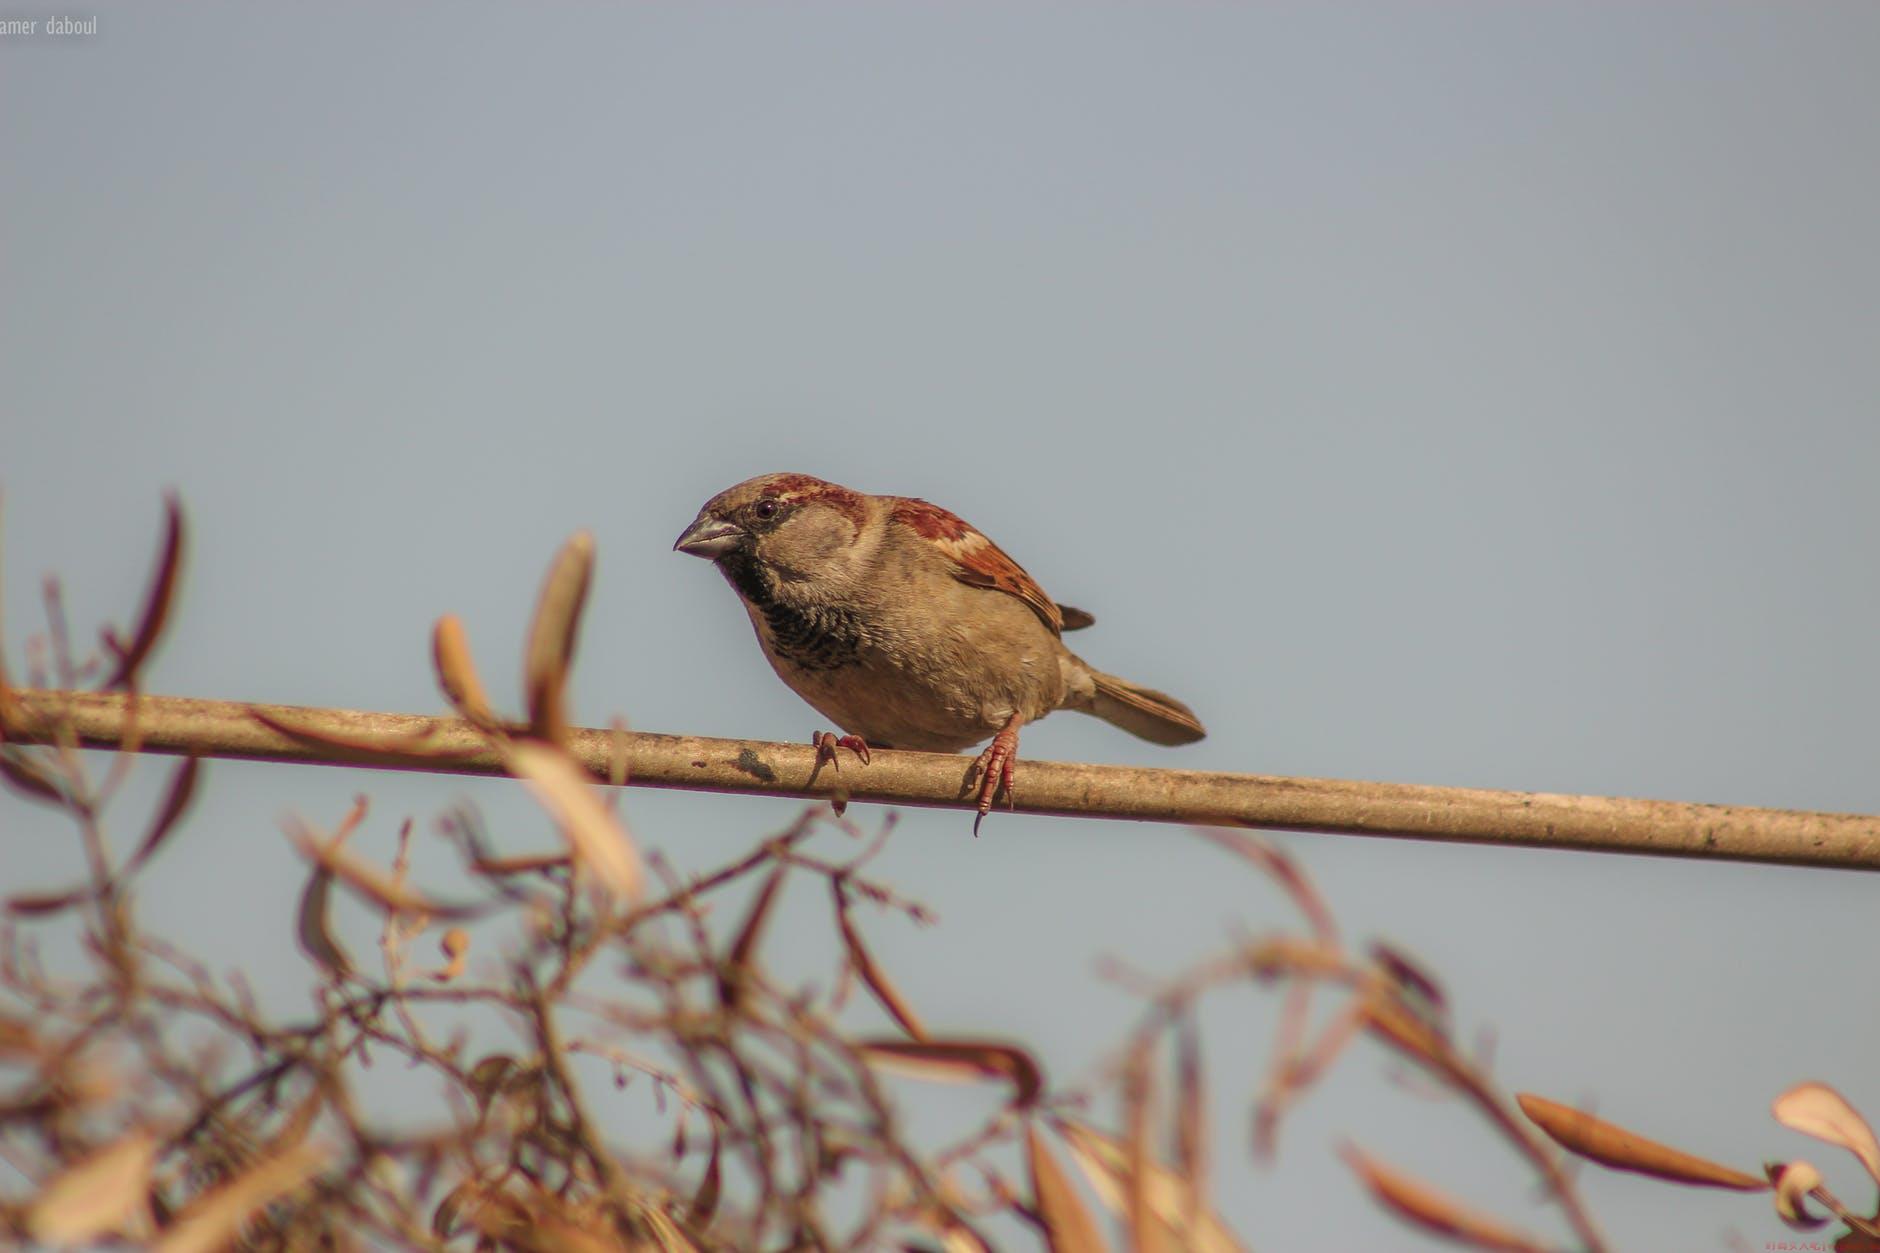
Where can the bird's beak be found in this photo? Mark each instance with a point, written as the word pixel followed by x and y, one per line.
pixel 709 537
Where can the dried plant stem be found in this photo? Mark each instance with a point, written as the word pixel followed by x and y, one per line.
pixel 167 724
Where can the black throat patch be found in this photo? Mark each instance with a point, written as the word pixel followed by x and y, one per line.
pixel 811 637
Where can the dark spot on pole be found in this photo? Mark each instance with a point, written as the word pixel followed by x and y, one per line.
pixel 750 763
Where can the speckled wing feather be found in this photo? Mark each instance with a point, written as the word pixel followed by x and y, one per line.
pixel 979 561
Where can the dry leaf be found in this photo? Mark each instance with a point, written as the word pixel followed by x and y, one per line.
pixel 364 878
pixel 746 943
pixel 947 1226
pixel 24 774
pixel 1416 988
pixel 176 800
pixel 535 1222
pixel 1793 1182
pixel 680 1126
pixel 523 864
pixel 444 1217
pixel 493 1216
pixel 457 674
pixel 1148 1231
pixel 873 975
pixel 731 976
pixel 1069 1226
pixel 397 750
pixel 1191 1126
pixel 1424 1207
pixel 18 1040
pixel 35 904
pixel 1815 1109
pixel 212 1220
pixel 597 840
pixel 1401 1025
pixel 489 1076
pixel 957 1238
pixel 97 1196
pixel 316 939
pixel 1614 1146
pixel 157 600
pixel 552 636
pixel 957 1061
pixel 705 1200
pixel 1105 1162
pixel 667 1236
pixel 617 751
pixel 1281 869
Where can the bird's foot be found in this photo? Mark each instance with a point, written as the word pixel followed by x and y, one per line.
pixel 996 769
pixel 827 742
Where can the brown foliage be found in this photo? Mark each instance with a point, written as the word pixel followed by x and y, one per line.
pixel 150 1102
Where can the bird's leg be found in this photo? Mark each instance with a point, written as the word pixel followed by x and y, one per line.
pixel 827 742
pixel 995 767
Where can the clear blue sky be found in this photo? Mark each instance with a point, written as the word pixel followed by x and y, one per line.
pixel 1449 393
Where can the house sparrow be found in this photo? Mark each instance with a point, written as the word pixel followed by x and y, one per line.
pixel 908 628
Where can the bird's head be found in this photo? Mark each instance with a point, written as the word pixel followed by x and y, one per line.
pixel 797 525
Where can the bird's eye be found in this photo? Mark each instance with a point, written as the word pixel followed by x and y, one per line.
pixel 765 509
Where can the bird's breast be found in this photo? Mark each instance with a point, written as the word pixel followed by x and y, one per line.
pixel 809 635
pixel 929 664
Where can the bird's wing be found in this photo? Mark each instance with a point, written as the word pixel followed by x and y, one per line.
pixel 978 561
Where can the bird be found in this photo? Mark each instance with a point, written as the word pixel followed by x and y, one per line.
pixel 908 628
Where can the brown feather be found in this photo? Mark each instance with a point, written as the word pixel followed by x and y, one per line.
pixel 1141 711
pixel 977 560
pixel 1075 619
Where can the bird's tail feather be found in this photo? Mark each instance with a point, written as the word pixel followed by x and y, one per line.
pixel 1143 712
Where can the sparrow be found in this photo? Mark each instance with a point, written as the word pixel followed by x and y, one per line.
pixel 907 628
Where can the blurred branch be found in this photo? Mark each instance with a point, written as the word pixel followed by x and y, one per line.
pixel 166 724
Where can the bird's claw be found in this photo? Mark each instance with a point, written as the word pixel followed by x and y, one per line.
pixel 827 742
pixel 996 770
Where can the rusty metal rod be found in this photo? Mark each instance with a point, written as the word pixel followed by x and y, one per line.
pixel 210 728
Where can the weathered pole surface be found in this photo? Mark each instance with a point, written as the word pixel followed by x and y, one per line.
pixel 284 733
